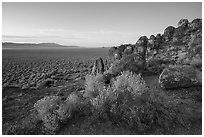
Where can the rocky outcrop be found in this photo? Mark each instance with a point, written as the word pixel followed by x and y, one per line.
pixel 128 50
pixel 195 25
pixel 133 57
pixel 161 50
pixel 183 23
pixel 180 77
pixel 116 53
pixel 168 33
pixel 98 66
pixel 133 63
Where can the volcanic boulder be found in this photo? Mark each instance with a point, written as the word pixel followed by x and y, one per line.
pixel 180 77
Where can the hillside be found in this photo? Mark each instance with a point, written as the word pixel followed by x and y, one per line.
pixel 181 45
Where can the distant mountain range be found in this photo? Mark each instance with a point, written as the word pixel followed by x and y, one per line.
pixel 34 45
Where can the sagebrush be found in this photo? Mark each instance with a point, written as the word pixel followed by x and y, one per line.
pixel 127 99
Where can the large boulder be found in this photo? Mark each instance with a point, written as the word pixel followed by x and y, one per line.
pixel 195 45
pixel 158 42
pixel 141 46
pixel 168 33
pixel 116 53
pixel 151 41
pixel 183 23
pixel 111 52
pixel 150 47
pixel 121 48
pixel 181 35
pixel 128 50
pixel 195 25
pixel 180 77
pixel 142 41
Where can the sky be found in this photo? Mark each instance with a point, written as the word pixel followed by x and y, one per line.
pixel 101 24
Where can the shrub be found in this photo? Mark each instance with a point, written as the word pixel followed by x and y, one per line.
pixel 93 85
pixel 68 107
pixel 129 100
pixel 52 110
pixel 51 121
pixel 47 105
pixel 164 110
pixel 157 110
pixel 131 95
pixel 101 103
pixel 117 99
pixel 47 111
pixel 130 82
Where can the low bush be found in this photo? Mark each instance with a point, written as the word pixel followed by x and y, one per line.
pixel 129 100
pixel 130 82
pixel 68 107
pixel 47 105
pixel 52 110
pixel 93 85
pixel 165 110
pixel 47 111
pixel 118 98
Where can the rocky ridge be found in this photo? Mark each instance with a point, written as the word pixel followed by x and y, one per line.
pixel 176 46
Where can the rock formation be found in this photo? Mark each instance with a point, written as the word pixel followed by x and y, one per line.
pixel 181 45
pixel 180 77
pixel 98 66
